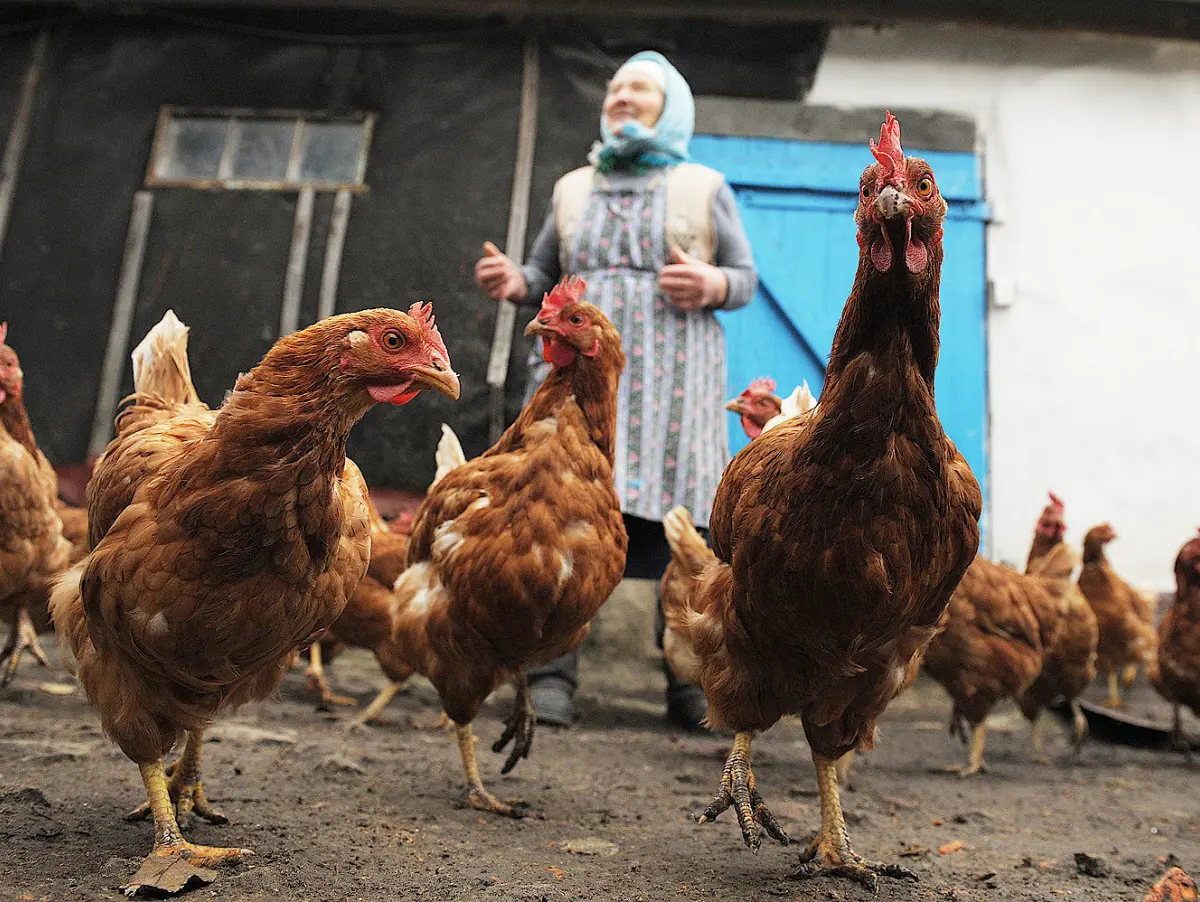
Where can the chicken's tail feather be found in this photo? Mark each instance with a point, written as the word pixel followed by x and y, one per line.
pixel 448 456
pixel 160 363
pixel 687 546
pixel 66 610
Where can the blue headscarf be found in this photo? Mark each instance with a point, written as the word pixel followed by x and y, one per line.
pixel 638 147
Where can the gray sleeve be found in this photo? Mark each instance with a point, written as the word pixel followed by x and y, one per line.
pixel 733 250
pixel 542 269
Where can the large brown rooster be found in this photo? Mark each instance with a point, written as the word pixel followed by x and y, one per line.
pixel 512 553
pixel 224 541
pixel 841 538
pixel 1175 673
pixel 33 551
pixel 1127 637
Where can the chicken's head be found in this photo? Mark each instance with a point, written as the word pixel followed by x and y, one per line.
pixel 570 327
pixel 393 355
pixel 757 404
pixel 11 376
pixel 1187 566
pixel 1051 524
pixel 1100 535
pixel 900 210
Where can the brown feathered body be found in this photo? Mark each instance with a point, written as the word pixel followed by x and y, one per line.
pixel 224 541
pixel 1175 673
pixel 513 552
pixel 840 539
pixel 1126 627
pixel 1068 631
pixel 990 646
pixel 33 551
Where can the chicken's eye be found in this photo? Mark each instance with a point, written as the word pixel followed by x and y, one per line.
pixel 392 340
pixel 925 187
pixel 577 319
pixel 866 192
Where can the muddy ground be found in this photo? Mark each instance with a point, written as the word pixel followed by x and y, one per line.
pixel 340 815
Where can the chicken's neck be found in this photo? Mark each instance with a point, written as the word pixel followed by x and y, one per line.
pixel 15 420
pixel 1093 553
pixel 887 316
pixel 1042 546
pixel 594 388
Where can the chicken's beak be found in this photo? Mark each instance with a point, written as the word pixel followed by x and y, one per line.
pixel 892 202
pixel 438 377
pixel 537 327
pixel 734 405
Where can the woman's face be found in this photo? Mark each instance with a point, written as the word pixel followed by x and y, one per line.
pixel 632 96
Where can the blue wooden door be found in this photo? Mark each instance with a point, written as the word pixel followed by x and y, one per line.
pixel 797 200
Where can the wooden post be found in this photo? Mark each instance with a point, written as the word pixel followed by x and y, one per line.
pixel 18 136
pixel 514 242
pixel 327 302
pixel 293 283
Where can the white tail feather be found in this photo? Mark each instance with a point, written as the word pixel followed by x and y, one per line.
pixel 800 401
pixel 448 456
pixel 160 362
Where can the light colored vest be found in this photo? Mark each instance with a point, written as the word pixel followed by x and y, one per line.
pixel 691 189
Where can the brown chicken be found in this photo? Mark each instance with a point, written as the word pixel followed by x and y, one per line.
pixel 1174 886
pixel 841 538
pixel 512 553
pixel 1127 639
pixel 989 649
pixel 222 542
pixel 1067 626
pixel 33 551
pixel 756 405
pixel 1175 672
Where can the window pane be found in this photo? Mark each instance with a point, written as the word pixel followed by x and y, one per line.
pixel 193 149
pixel 262 148
pixel 330 152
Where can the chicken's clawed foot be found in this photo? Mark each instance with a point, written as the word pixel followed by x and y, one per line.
pixel 739 790
pixel 518 727
pixel 316 682
pixel 477 796
pixel 22 638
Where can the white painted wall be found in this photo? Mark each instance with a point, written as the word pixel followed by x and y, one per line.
pixel 1091 153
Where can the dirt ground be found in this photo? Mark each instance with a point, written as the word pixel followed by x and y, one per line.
pixel 339 815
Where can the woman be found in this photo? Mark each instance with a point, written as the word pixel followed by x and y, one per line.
pixel 660 244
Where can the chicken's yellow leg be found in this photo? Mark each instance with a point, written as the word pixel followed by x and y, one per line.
pixel 830 854
pixel 22 638
pixel 373 710
pixel 1114 691
pixel 1035 736
pixel 186 788
pixel 478 797
pixel 174 862
pixel 316 680
pixel 739 789
pixel 975 763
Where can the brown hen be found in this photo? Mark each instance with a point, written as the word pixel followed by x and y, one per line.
pixel 512 553
pixel 33 551
pixel 840 540
pixel 1127 636
pixel 224 541
pixel 1175 672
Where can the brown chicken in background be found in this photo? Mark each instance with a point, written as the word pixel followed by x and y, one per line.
pixel 756 406
pixel 1067 625
pixel 1126 638
pixel 512 553
pixel 841 538
pixel 222 542
pixel 1175 672
pixel 1174 886
pixel 33 551
pixel 989 648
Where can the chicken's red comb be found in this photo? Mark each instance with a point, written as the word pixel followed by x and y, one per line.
pixel 3 332
pixel 1056 503
pixel 763 385
pixel 568 291
pixel 888 151
pixel 423 313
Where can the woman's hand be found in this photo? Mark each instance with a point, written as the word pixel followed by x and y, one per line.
pixel 690 284
pixel 499 276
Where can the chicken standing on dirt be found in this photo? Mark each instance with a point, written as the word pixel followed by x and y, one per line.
pixel 1127 640
pixel 840 539
pixel 225 541
pixel 1175 672
pixel 1067 628
pixel 33 551
pixel 512 553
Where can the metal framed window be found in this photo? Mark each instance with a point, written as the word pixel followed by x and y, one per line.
pixel 259 150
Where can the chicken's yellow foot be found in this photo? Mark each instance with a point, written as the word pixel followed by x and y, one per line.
pixel 830 854
pixel 1079 728
pixel 315 677
pixel 1114 691
pixel 174 863
pixel 975 762
pixel 185 789
pixel 22 638
pixel 478 797
pixel 519 726
pixel 1035 737
pixel 739 789
pixel 371 713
